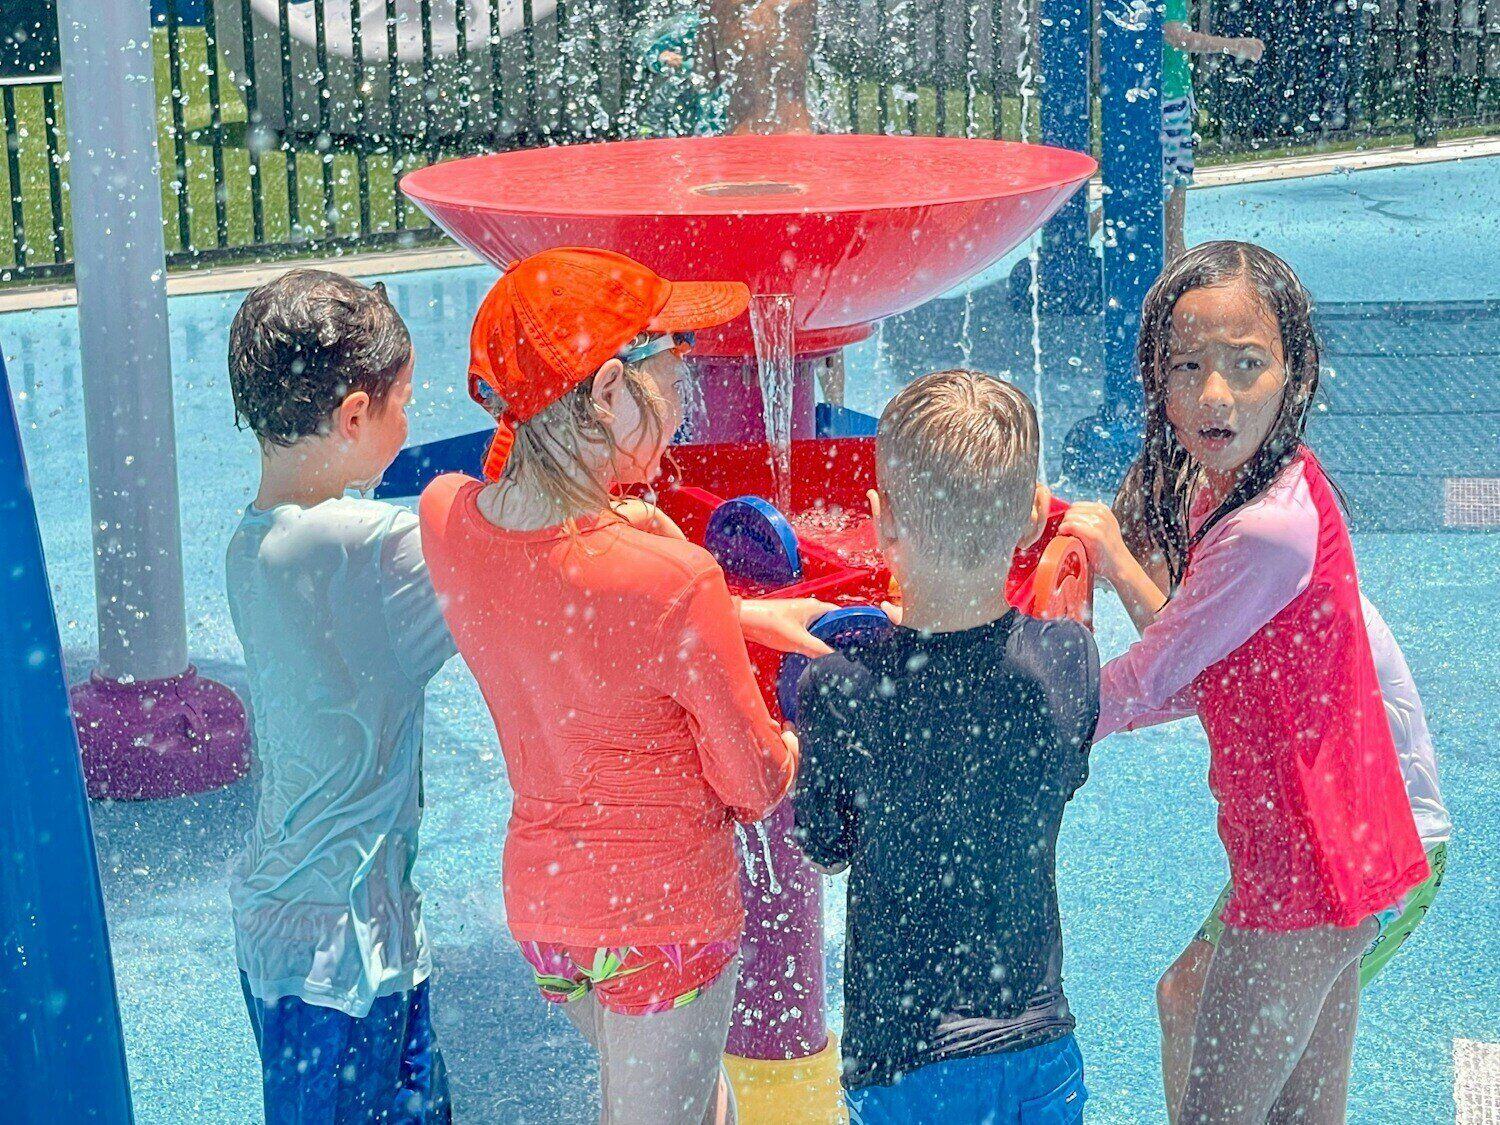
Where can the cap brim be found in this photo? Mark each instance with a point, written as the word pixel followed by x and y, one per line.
pixel 695 305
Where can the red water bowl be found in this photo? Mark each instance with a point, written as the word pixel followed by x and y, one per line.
pixel 855 228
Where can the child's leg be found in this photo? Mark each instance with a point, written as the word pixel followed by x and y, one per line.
pixel 1176 223
pixel 584 1014
pixel 668 1066
pixel 1178 141
pixel 1318 1091
pixel 1177 996
pixel 319 1064
pixel 831 379
pixel 422 1096
pixel 1262 1001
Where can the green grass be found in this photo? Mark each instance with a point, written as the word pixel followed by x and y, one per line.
pixel 282 174
pixel 194 199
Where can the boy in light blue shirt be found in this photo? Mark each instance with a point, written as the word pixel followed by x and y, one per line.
pixel 341 630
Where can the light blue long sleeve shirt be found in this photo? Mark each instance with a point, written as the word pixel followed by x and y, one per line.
pixel 341 630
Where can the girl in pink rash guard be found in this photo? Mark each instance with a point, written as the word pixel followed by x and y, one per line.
pixel 1264 640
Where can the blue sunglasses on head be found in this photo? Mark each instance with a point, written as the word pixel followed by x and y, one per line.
pixel 679 342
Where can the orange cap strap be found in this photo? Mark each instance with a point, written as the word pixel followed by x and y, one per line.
pixel 499 450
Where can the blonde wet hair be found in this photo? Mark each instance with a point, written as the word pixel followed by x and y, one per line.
pixel 551 454
pixel 956 458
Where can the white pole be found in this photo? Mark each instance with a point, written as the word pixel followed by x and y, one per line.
pixel 148 725
pixel 119 262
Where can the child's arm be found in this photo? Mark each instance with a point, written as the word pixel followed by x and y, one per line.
pixel 1184 38
pixel 1247 571
pixel 749 762
pixel 647 517
pixel 777 623
pixel 824 799
pixel 1408 722
pixel 1398 690
pixel 413 614
pixel 781 624
pixel 664 45
pixel 1095 526
pixel 1068 651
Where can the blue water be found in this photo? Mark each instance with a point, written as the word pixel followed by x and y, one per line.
pixel 1139 860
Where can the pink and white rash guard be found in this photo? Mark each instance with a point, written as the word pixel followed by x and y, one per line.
pixel 1266 642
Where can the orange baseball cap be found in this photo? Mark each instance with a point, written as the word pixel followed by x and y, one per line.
pixel 555 318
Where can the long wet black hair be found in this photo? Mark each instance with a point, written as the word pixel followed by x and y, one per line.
pixel 1153 501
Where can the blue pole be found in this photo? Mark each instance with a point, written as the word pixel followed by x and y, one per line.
pixel 1067 269
pixel 1130 33
pixel 1130 105
pixel 59 1019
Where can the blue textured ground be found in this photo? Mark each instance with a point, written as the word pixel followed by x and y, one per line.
pixel 1139 859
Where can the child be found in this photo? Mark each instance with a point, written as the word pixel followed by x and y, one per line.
pixel 341 630
pixel 1264 639
pixel 613 661
pixel 678 99
pixel 1180 987
pixel 937 764
pixel 1178 109
pixel 762 52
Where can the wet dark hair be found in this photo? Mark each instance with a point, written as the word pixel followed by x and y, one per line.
pixel 1153 501
pixel 301 344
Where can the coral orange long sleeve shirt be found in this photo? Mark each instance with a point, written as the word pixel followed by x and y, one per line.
pixel 634 735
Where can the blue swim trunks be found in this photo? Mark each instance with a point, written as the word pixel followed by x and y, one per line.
pixel 319 1064
pixel 1039 1084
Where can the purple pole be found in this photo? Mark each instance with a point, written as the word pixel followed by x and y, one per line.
pixel 779 1011
pixel 779 1008
pixel 731 392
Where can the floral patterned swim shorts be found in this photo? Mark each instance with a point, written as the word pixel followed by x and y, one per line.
pixel 633 980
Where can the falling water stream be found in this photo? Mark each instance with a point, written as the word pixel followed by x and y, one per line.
pixel 1026 76
pixel 774 328
pixel 971 129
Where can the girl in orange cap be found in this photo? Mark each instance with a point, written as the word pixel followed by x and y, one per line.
pixel 613 661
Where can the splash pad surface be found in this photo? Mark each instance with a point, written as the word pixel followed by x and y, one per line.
pixel 854 228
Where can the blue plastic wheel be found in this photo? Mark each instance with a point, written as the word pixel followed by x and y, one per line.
pixel 753 541
pixel 839 629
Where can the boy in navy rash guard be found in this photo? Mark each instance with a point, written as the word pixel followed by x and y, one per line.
pixel 936 765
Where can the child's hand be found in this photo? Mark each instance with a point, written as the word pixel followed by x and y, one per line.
pixel 670 60
pixel 647 517
pixel 781 624
pixel 1095 526
pixel 1248 49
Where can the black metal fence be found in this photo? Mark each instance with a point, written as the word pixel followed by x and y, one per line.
pixel 286 124
pixel 1340 70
